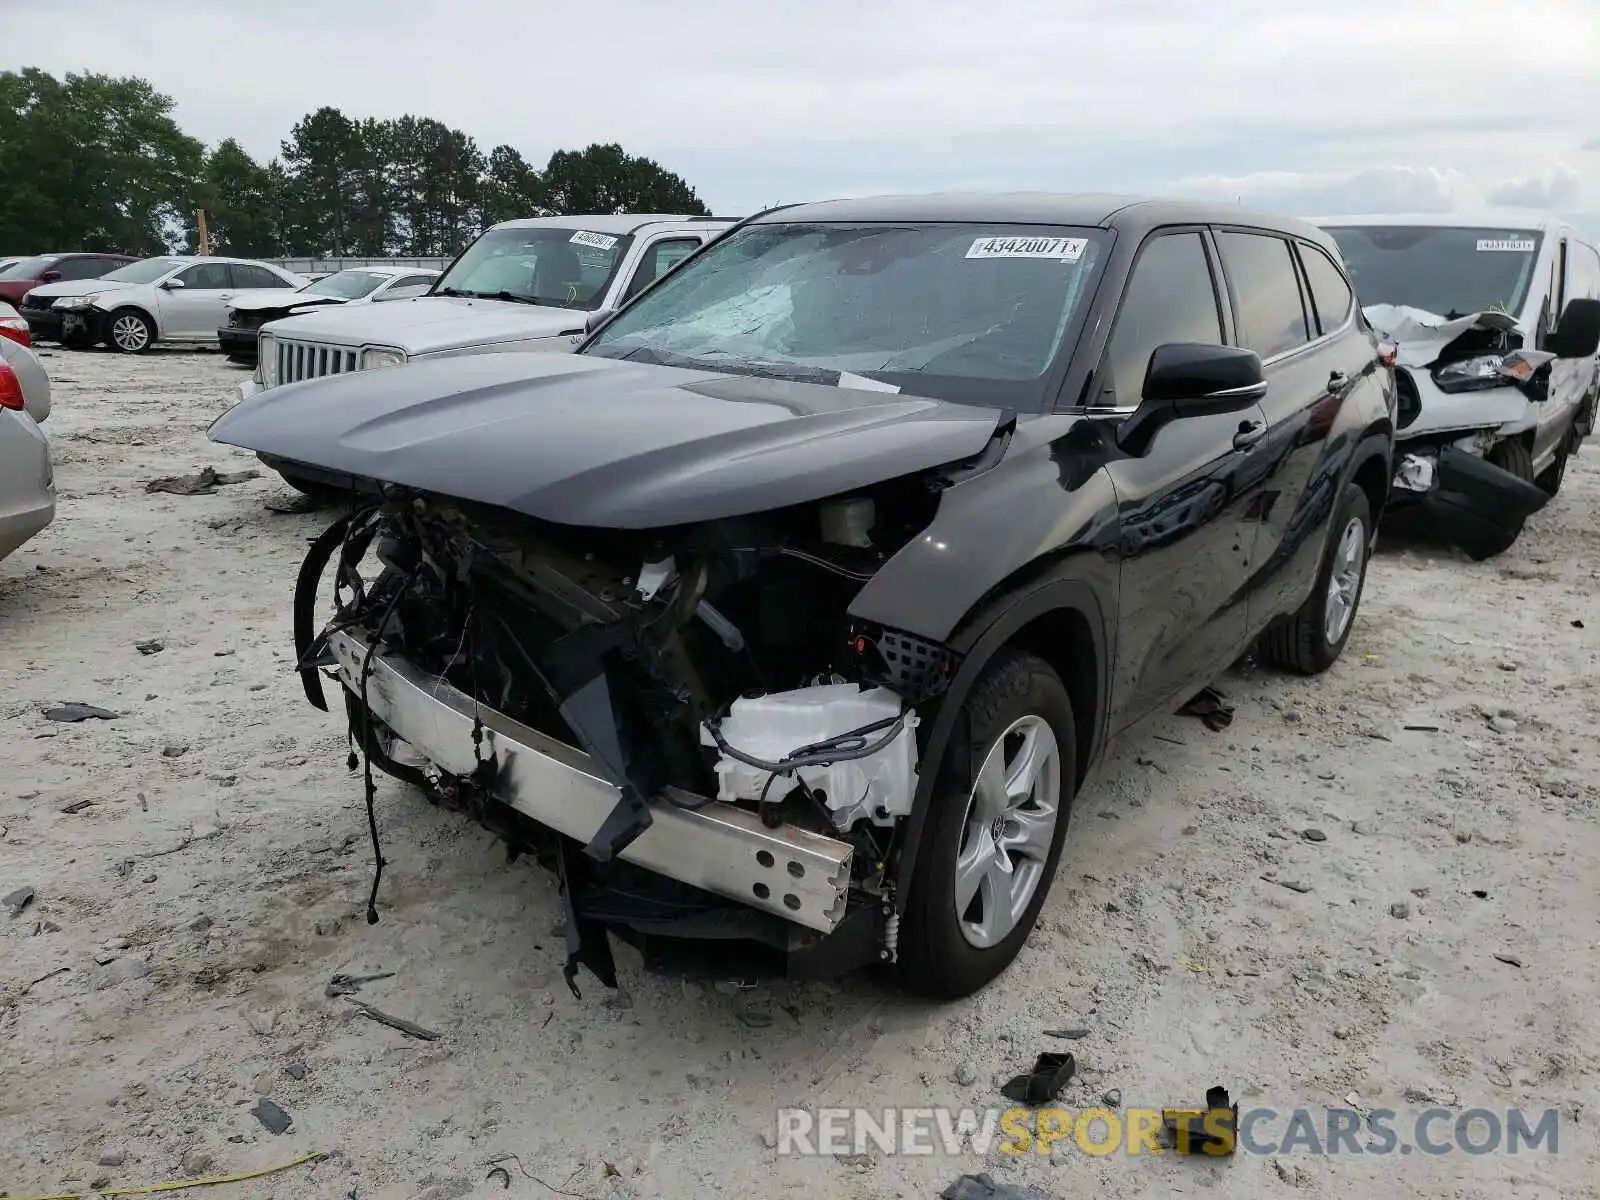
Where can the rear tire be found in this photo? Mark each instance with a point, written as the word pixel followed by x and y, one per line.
pixel 1509 455
pixel 1311 640
pixel 1019 714
pixel 129 331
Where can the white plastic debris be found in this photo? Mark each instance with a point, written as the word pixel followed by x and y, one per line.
pixel 654 576
pixel 878 788
pixel 1415 473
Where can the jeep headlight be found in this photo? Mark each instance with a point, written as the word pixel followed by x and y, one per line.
pixel 1471 374
pixel 382 356
pixel 267 360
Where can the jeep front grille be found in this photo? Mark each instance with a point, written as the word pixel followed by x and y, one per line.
pixel 307 360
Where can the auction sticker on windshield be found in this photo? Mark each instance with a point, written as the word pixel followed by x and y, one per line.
pixel 599 241
pixel 1511 245
pixel 1063 249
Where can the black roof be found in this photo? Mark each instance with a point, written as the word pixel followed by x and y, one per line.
pixel 1132 214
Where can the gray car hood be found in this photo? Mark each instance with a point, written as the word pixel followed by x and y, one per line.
pixel 601 442
pixel 431 324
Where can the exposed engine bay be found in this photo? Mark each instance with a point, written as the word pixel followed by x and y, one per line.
pixel 701 669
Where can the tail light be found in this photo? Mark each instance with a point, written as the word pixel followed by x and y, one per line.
pixel 1388 353
pixel 10 388
pixel 16 329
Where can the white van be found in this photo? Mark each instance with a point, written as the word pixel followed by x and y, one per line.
pixel 1496 319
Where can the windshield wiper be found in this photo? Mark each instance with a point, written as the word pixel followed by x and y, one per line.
pixel 510 297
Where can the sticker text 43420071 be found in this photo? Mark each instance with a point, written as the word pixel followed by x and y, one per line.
pixel 1063 249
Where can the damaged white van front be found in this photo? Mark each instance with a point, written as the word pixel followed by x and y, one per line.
pixel 1496 319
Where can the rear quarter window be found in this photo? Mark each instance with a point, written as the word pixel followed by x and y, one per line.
pixel 1330 291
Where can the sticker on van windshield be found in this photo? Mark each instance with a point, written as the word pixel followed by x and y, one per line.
pixel 599 241
pixel 1508 245
pixel 1060 248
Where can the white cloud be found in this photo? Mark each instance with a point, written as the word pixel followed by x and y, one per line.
pixel 1553 188
pixel 898 95
pixel 1373 189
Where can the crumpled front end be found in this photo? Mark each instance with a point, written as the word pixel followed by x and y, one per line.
pixel 1463 384
pixel 1460 375
pixel 684 723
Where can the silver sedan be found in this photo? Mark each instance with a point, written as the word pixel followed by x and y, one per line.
pixel 27 483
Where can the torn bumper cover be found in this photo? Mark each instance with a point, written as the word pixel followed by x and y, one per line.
pixel 1473 502
pixel 790 872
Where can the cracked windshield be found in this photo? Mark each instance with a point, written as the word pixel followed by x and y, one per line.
pixel 933 309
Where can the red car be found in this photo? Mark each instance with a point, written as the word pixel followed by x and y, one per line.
pixel 26 274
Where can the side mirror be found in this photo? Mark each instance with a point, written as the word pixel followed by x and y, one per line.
pixel 172 285
pixel 598 320
pixel 50 277
pixel 1578 334
pixel 1186 379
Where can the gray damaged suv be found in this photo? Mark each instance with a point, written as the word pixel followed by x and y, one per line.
pixel 786 616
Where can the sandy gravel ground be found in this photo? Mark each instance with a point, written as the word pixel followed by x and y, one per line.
pixel 191 910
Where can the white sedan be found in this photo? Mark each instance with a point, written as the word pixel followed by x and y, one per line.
pixel 167 299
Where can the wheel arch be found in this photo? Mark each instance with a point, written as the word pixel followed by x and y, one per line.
pixel 1373 470
pixel 1062 620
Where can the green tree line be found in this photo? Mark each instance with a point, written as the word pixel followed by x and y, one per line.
pixel 92 162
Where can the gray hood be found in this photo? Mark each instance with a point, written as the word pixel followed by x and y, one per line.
pixel 602 442
pixel 430 324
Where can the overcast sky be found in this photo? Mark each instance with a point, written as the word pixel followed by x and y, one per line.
pixel 1300 105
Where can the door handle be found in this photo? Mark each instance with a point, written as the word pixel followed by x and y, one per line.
pixel 1338 381
pixel 1250 432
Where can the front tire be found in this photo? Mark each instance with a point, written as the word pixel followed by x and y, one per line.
pixel 1311 640
pixel 1551 478
pixel 129 331
pixel 995 831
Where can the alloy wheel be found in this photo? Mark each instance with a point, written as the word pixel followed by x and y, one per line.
pixel 1009 827
pixel 1344 580
pixel 130 333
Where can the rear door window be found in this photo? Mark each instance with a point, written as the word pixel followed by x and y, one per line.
pixel 1266 292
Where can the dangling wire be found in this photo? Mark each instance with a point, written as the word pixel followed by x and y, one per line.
pixel 367 738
